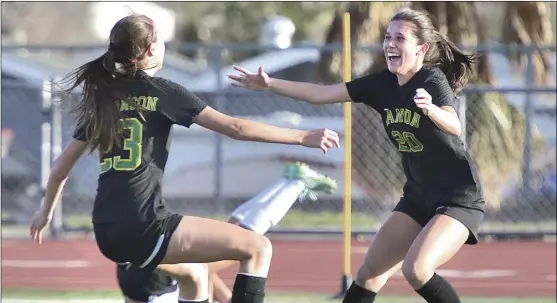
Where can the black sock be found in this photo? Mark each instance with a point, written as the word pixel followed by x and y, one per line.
pixel 248 289
pixel 189 301
pixel 358 294
pixel 438 290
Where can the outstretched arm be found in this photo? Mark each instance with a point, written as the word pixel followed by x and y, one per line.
pixel 184 108
pixel 309 92
pixel 247 130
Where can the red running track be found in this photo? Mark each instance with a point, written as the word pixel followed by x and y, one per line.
pixel 523 269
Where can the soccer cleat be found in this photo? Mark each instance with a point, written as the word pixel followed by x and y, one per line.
pixel 314 181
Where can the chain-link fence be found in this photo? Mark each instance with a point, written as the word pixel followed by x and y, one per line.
pixel 22 122
pixel 510 131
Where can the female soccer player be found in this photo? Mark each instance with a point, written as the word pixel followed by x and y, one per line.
pixel 259 214
pixel 126 114
pixel 442 204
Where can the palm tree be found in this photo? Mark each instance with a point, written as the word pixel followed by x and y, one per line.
pixel 530 23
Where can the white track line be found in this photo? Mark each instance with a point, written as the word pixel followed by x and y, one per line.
pixel 473 274
pixel 58 301
pixel 46 263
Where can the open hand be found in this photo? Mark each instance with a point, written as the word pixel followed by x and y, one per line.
pixel 38 224
pixel 322 138
pixel 249 80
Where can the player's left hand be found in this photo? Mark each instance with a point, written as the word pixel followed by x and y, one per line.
pixel 423 100
pixel 323 139
pixel 38 224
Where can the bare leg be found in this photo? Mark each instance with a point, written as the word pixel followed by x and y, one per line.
pixel 387 251
pixel 195 241
pixel 436 244
pixel 384 257
pixel 221 292
pixel 193 279
pixel 259 214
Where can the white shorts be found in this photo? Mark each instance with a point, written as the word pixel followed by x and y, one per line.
pixel 171 297
pixel 252 219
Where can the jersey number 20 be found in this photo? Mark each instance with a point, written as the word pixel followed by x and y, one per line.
pixel 132 144
pixel 407 142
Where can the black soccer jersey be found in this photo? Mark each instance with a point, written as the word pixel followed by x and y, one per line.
pixel 129 183
pixel 433 161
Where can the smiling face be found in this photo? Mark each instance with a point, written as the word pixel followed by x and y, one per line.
pixel 403 51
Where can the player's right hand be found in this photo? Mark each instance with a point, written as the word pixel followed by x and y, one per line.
pixel 249 80
pixel 322 138
pixel 38 224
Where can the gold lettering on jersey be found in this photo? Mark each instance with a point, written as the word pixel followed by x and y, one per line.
pixel 147 103
pixel 403 115
pixel 407 142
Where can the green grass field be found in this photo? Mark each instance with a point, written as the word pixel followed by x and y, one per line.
pixel 114 296
pixel 294 219
pixel 334 220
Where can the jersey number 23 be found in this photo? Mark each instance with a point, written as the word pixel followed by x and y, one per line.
pixel 132 144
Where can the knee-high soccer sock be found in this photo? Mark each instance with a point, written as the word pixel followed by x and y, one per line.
pixel 268 192
pixel 280 203
pixel 254 203
pixel 438 290
pixel 260 215
pixel 248 289
pixel 358 294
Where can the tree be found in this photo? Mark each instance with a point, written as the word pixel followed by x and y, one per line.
pixel 530 23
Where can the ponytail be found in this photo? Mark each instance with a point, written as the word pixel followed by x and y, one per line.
pixel 119 65
pixel 105 82
pixel 454 63
pixel 103 86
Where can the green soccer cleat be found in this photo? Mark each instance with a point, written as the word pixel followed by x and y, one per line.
pixel 314 181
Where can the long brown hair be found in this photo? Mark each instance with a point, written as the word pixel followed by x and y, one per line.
pixel 104 81
pixel 443 53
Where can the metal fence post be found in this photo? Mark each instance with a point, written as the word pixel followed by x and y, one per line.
pixel 219 105
pixel 46 137
pixel 56 225
pixel 528 111
pixel 462 115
